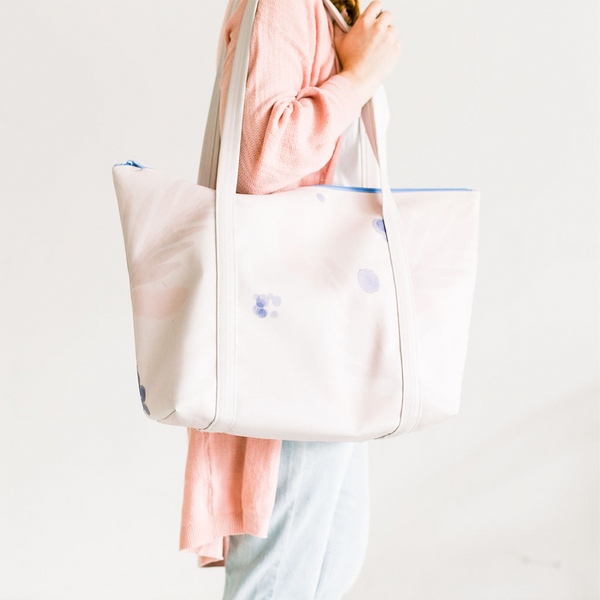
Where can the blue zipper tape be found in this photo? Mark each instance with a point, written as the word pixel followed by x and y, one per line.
pixel 375 190
pixel 130 163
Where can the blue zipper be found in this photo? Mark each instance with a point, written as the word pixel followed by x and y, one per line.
pixel 374 190
pixel 130 163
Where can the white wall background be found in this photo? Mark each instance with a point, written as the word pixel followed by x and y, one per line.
pixel 498 503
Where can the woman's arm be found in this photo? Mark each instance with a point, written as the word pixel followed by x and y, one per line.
pixel 293 115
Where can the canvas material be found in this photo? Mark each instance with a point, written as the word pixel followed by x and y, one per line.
pixel 357 166
pixel 317 349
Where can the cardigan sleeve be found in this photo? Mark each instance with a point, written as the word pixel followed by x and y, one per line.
pixel 292 117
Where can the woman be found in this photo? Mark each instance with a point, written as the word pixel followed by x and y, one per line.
pixel 289 519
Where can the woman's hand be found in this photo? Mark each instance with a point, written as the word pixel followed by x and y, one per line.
pixel 369 52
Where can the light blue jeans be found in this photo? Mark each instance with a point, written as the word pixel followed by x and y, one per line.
pixel 318 532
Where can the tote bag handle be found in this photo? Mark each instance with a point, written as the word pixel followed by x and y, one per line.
pixel 372 114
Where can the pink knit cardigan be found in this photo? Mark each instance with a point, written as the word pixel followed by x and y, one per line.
pixel 296 109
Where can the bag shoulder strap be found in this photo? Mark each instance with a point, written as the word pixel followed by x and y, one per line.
pixel 373 115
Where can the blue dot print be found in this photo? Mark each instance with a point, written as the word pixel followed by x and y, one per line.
pixel 261 302
pixel 321 197
pixel 379 226
pixel 368 281
pixel 142 392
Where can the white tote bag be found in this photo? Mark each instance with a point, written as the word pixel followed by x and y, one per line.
pixel 323 313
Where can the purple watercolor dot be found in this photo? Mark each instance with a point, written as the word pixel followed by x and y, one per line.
pixel 262 300
pixel 321 197
pixel 368 280
pixel 379 226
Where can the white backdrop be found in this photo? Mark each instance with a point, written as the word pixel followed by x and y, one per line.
pixel 497 503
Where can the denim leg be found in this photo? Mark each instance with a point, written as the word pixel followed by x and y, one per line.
pixel 347 544
pixel 287 565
